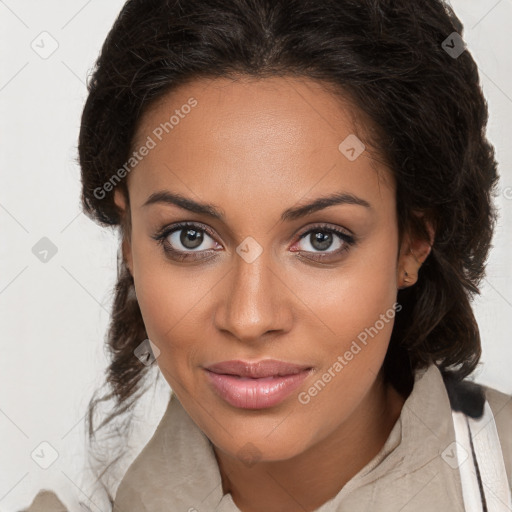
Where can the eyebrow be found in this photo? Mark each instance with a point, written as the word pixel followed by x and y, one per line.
pixel 166 197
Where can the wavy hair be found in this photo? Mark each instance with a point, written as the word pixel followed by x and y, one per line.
pixel 387 57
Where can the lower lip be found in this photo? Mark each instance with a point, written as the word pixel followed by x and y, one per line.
pixel 247 393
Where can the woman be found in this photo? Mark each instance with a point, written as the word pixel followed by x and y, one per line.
pixel 303 191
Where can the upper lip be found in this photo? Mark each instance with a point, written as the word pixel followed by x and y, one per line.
pixel 259 369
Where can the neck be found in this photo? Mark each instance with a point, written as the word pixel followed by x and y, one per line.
pixel 308 480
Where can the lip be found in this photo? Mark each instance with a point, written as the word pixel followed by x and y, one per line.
pixel 257 385
pixel 258 369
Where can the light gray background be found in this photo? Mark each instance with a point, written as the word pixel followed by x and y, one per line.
pixel 54 314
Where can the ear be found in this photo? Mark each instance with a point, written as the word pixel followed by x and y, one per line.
pixel 413 253
pixel 120 201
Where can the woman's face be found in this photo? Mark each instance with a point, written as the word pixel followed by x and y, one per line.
pixel 246 284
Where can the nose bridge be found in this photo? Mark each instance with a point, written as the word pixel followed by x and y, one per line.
pixel 251 304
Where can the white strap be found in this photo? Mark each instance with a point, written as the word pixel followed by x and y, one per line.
pixel 468 478
pixel 489 455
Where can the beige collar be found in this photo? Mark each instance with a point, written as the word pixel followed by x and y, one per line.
pixel 177 469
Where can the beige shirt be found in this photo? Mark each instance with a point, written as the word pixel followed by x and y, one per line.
pixel 414 470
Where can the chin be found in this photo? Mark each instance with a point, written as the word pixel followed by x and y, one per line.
pixel 261 448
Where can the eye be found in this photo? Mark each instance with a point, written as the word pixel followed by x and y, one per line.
pixel 182 240
pixel 321 238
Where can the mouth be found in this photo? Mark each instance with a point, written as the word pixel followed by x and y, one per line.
pixel 257 385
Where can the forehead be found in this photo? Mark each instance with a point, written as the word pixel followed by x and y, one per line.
pixel 248 136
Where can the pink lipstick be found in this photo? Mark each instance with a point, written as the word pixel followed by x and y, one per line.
pixel 257 385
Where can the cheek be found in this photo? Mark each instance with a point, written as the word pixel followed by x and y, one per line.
pixel 169 309
pixel 352 297
pixel 162 293
pixel 358 305
pixel 361 317
pixel 371 285
pixel 172 326
pixel 164 298
pixel 173 308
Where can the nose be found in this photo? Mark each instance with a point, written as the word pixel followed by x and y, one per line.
pixel 254 300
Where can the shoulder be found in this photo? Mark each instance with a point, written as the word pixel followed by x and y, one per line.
pixel 501 407
pixel 469 397
pixel 46 501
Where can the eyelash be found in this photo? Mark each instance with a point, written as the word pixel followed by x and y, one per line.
pixel 161 238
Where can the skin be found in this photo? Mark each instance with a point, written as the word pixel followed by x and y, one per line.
pixel 254 148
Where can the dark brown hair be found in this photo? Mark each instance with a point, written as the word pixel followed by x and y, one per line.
pixel 388 58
